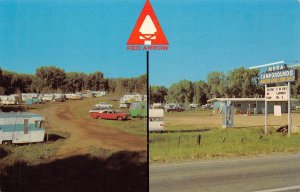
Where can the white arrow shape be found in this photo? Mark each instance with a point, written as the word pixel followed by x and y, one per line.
pixel 148 26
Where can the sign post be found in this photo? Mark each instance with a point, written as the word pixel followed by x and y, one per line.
pixel 289 110
pixel 278 74
pixel 147 35
pixel 266 112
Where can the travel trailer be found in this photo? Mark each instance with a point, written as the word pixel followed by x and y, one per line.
pixel 21 127
pixel 126 100
pixel 9 99
pixel 156 120
pixel 138 109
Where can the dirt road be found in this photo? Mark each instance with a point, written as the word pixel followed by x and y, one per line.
pixel 87 133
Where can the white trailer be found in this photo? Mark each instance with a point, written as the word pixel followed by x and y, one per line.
pixel 73 96
pixel 48 97
pixel 59 97
pixel 8 99
pixel 21 128
pixel 156 120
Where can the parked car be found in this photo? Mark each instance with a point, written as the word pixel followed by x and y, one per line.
pixel 96 109
pixel 193 106
pixel 174 107
pixel 110 114
pixel 104 105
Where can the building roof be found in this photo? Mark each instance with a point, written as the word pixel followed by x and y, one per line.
pixel 18 114
pixel 239 99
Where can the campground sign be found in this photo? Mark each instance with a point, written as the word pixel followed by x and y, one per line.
pixel 147 33
pixel 277 74
pixel 279 93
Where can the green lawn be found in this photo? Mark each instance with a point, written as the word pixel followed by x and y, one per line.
pixel 215 142
pixel 218 142
pixel 33 153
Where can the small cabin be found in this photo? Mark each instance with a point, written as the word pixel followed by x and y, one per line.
pixel 21 127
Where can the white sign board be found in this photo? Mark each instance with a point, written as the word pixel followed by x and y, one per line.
pixel 276 93
pixel 277 110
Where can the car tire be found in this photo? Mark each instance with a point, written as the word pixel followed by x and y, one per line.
pixel 119 118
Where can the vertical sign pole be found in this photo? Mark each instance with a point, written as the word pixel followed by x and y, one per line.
pixel 148 103
pixel 266 110
pixel 289 109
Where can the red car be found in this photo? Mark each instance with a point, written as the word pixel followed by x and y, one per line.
pixel 109 114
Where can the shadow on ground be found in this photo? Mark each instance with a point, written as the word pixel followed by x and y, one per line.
pixel 3 154
pixel 53 137
pixel 122 171
pixel 12 108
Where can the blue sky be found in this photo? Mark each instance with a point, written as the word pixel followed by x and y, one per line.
pixel 204 36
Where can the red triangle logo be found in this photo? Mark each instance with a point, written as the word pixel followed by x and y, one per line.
pixel 147 30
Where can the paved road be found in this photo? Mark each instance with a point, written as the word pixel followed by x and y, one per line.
pixel 268 174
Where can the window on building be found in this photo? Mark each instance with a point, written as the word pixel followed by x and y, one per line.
pixel 41 124
pixel 26 126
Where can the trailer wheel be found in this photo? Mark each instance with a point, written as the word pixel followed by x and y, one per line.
pixel 119 118
pixel 6 142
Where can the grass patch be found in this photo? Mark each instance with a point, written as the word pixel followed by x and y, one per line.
pixel 134 126
pixel 219 143
pixel 31 153
pixel 100 152
pixel 34 153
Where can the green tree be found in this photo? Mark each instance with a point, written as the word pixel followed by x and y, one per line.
pixel 158 94
pixel 48 79
pixel 181 92
pixel 216 82
pixel 200 92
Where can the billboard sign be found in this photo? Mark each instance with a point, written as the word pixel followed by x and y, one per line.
pixel 277 74
pixel 279 93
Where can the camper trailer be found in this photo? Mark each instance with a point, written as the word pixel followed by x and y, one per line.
pixel 28 96
pixel 9 99
pixel 31 98
pixel 59 97
pixel 156 120
pixel 98 93
pixel 138 109
pixel 74 96
pixel 21 127
pixel 48 97
pixel 126 100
